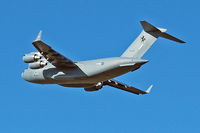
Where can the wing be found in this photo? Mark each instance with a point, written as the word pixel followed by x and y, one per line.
pixel 125 87
pixel 51 55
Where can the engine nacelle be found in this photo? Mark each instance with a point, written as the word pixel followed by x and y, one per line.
pixel 97 87
pixel 37 65
pixel 32 57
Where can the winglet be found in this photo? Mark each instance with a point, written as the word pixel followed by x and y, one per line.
pixel 39 36
pixel 149 89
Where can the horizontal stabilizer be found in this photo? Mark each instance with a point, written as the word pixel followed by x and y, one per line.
pixel 167 36
pixel 152 30
pixel 156 32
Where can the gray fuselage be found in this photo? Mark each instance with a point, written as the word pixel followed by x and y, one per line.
pixel 87 73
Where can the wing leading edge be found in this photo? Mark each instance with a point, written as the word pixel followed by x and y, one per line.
pixel 125 87
pixel 51 55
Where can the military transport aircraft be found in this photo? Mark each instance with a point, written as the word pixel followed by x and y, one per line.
pixel 50 67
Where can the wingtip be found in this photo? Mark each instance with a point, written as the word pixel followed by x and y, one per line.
pixel 149 89
pixel 143 21
pixel 182 41
pixel 39 36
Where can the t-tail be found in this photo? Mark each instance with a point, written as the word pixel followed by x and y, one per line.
pixel 145 40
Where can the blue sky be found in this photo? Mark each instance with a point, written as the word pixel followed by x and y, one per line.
pixel 91 29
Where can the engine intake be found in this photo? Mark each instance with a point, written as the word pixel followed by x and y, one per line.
pixel 37 65
pixel 32 57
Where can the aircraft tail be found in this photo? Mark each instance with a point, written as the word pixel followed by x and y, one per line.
pixel 145 40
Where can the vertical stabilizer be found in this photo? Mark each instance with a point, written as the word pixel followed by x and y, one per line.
pixel 146 39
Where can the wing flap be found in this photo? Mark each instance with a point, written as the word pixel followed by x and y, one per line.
pixel 125 87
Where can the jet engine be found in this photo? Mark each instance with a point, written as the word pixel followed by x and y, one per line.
pixel 32 57
pixel 97 87
pixel 37 65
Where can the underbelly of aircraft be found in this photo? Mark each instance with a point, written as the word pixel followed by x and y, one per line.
pixel 80 80
pixel 91 80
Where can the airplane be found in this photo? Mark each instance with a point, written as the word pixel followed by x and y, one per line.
pixel 50 67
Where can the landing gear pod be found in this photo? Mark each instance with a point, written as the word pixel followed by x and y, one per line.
pixel 97 87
